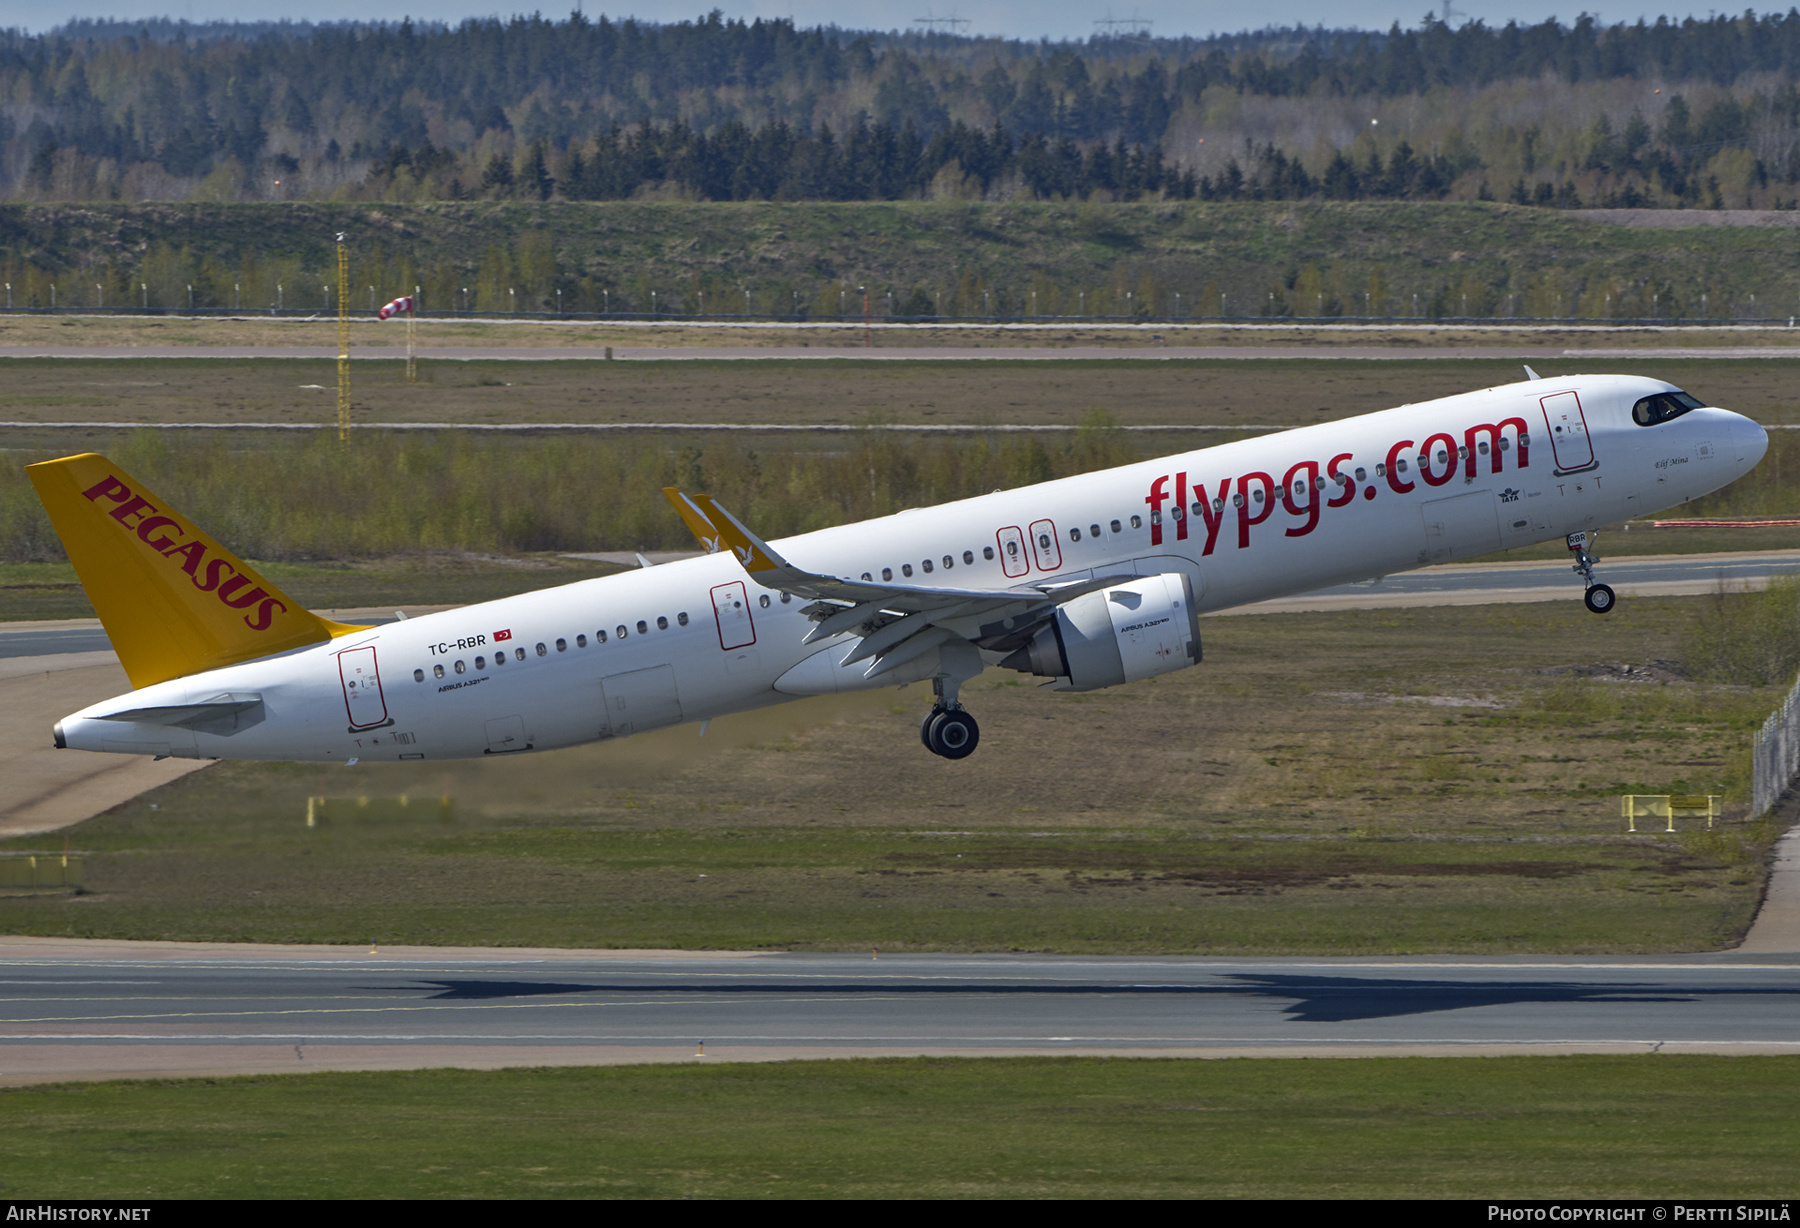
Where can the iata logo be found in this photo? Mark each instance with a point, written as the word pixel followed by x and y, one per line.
pixel 163 535
pixel 1509 495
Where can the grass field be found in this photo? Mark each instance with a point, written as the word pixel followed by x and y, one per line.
pixel 1573 1127
pixel 834 392
pixel 1264 256
pixel 1401 781
pixel 300 498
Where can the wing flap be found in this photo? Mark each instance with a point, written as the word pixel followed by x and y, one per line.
pixel 895 623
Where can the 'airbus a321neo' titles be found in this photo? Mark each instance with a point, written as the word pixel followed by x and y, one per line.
pixel 1088 581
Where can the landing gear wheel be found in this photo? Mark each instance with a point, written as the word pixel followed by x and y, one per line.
pixel 925 728
pixel 1599 599
pixel 952 734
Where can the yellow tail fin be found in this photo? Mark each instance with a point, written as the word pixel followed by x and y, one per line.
pixel 173 601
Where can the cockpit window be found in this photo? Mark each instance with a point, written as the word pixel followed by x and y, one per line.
pixel 1662 407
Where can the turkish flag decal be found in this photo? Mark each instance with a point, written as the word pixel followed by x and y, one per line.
pixel 502 635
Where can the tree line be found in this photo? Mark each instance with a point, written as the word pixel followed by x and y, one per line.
pixel 718 109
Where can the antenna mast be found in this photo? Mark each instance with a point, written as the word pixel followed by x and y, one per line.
pixel 343 257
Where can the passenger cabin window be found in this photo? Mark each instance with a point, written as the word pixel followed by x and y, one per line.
pixel 949 562
pixel 887 573
pixel 643 627
pixel 763 601
pixel 1115 526
pixel 581 641
pixel 1137 522
pixel 906 570
pixel 542 651
pixel 1075 535
pixel 968 557
pixel 682 618
pixel 786 598
pixel 437 671
pixel 499 658
pixel 599 637
pixel 927 566
pixel 662 620
pixel 418 675
pixel 1093 530
pixel 461 668
pixel 619 630
pixel 562 645
pixel 518 654
pixel 480 662
pixel 987 552
pixel 1663 407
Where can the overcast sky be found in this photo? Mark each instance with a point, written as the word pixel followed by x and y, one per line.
pixel 1056 19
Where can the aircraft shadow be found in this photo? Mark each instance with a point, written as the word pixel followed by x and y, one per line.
pixel 1308 999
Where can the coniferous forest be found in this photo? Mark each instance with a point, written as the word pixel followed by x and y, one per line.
pixel 714 167
pixel 1700 113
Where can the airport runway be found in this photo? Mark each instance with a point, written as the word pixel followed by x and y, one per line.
pixel 74 1009
pixel 1656 575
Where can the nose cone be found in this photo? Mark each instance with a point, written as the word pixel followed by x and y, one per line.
pixel 1750 442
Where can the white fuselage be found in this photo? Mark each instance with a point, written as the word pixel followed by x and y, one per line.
pixel 692 640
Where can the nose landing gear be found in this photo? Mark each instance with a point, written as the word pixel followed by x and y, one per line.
pixel 1599 598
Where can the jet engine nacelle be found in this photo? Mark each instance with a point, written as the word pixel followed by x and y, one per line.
pixel 1115 635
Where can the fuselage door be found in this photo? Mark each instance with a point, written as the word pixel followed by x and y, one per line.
pixel 731 610
pixel 1045 549
pixel 1567 425
pixel 1014 559
pixel 362 688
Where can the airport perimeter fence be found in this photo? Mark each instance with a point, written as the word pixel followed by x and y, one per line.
pixel 1776 758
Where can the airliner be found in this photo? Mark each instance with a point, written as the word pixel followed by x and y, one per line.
pixel 1087 582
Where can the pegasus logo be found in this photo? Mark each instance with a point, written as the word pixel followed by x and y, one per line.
pixel 744 554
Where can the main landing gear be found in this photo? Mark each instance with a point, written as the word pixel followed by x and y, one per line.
pixel 1599 598
pixel 947 729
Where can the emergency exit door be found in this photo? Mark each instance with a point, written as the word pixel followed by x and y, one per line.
pixel 731 611
pixel 1567 425
pixel 362 688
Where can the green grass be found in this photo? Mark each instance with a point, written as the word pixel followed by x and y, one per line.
pixel 1566 1127
pixel 1354 782
pixel 830 889
pixel 1549 259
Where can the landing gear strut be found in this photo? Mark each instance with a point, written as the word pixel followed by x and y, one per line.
pixel 947 729
pixel 1599 597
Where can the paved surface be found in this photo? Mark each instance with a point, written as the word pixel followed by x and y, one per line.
pixel 893 353
pixel 1665 575
pixel 48 670
pixel 75 1009
pixel 45 788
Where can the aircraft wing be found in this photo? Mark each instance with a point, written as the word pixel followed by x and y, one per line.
pixel 895 623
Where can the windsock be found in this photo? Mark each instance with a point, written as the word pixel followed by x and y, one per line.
pixel 403 303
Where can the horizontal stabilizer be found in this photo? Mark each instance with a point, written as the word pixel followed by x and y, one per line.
pixel 226 714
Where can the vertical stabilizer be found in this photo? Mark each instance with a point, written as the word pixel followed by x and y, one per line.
pixel 173 601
